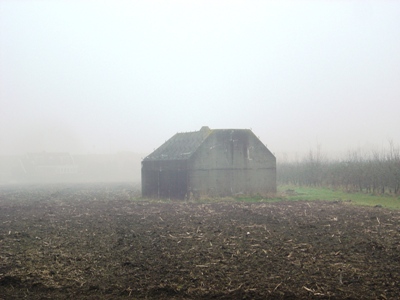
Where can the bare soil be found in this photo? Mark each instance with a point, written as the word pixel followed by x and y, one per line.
pixel 93 242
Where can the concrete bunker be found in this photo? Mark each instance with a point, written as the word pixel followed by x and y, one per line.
pixel 209 163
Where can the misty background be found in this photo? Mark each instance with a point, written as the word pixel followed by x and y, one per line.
pixel 109 80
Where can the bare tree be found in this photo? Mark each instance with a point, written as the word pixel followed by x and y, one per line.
pixel 378 172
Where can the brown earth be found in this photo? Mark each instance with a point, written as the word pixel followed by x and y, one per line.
pixel 93 242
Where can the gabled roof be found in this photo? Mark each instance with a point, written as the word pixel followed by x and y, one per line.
pixel 181 146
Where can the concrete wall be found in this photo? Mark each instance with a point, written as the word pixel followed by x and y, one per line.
pixel 164 179
pixel 232 162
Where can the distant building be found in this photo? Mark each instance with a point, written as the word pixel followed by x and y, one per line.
pixel 48 164
pixel 215 163
pixel 58 167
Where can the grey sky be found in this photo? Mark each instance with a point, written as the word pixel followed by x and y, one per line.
pixel 105 76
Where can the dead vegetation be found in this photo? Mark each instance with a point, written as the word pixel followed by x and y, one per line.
pixel 94 242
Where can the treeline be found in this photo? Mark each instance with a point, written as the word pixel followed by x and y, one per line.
pixel 372 173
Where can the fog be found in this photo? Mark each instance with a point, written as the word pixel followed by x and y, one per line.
pixel 104 77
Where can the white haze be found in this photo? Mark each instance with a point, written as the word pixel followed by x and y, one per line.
pixel 109 76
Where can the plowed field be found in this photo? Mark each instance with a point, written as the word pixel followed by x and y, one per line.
pixel 93 242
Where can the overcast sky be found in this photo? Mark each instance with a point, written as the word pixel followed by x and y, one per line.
pixel 106 76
